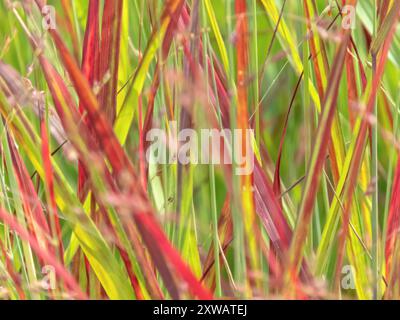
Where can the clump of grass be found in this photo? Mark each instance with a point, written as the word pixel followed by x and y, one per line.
pixel 85 215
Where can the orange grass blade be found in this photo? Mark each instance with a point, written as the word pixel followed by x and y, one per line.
pixel 317 160
pixel 49 185
pixel 109 57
